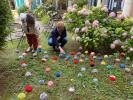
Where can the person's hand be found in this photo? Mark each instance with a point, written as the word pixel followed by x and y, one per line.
pixel 58 37
pixel 62 51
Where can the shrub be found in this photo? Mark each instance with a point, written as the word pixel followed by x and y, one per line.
pixel 99 29
pixel 5 21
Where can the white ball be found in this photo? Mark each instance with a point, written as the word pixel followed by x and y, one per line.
pixel 71 89
pixel 112 46
pixel 28 74
pixel 78 39
pixel 24 65
pixel 43 96
pixel 87 23
pixel 124 34
pixel 131 49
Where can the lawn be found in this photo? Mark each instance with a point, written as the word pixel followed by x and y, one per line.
pixel 85 87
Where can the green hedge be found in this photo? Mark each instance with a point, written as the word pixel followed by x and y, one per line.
pixel 5 21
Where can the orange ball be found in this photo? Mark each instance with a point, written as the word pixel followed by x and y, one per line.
pixel 47 70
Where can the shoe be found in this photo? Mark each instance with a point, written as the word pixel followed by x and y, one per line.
pixel 28 49
pixel 35 54
pixel 33 51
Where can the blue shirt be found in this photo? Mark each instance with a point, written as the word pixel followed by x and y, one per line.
pixel 55 34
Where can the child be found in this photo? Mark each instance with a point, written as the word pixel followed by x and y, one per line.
pixel 58 37
pixel 30 29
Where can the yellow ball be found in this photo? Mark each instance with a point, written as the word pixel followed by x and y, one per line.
pixel 72 80
pixel 86 52
pixel 103 63
pixel 21 96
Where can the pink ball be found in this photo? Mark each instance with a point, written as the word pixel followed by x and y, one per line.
pixel 50 84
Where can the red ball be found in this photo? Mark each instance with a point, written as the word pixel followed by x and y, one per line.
pixel 23 62
pixel 112 77
pixel 44 60
pixel 55 58
pixel 122 55
pixel 76 61
pixel 72 53
pixel 28 88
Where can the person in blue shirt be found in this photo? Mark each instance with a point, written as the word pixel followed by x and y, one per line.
pixel 58 37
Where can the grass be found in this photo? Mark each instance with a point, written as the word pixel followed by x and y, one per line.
pixel 104 90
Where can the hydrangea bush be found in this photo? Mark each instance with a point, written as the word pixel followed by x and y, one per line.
pixel 99 29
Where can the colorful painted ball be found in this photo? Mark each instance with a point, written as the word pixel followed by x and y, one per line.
pixel 81 60
pixel 82 56
pixel 39 50
pixel 112 46
pixel 58 74
pixel 46 56
pixel 44 60
pixel 68 57
pixel 94 71
pixel 83 68
pixel 76 61
pixel 109 67
pixel 112 77
pixel 72 53
pixel 122 54
pixel 50 84
pixel 23 65
pixel 131 83
pixel 117 60
pixel 80 74
pixel 21 96
pixel 28 88
pixel 28 74
pixel 20 57
pixel 122 66
pixel 71 89
pixel 55 58
pixel 43 96
pixel 127 70
pixel 95 80
pixel 47 70
pixel 86 52
pixel 92 53
pixel 105 56
pixel 45 52
pixel 128 58
pixel 24 54
pixel 41 82
pixel 76 57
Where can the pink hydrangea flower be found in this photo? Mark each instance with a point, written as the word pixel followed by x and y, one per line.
pixel 76 30
pixel 104 8
pixel 121 17
pixel 95 23
pixel 112 14
pixel 75 6
pixel 84 29
pixel 84 12
pixel 71 9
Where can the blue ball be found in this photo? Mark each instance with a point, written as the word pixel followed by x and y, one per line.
pixel 122 66
pixel 68 56
pixel 39 50
pixel 58 74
